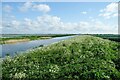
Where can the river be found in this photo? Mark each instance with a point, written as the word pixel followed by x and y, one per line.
pixel 12 49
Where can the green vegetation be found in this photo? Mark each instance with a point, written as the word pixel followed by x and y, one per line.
pixel 5 40
pixel 113 37
pixel 29 37
pixel 79 58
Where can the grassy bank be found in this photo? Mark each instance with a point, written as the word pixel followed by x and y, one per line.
pixel 79 58
pixel 22 38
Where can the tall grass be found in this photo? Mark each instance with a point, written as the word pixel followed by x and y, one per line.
pixel 79 58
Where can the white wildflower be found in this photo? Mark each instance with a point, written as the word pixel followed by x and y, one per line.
pixel 54 68
pixel 8 58
pixel 19 75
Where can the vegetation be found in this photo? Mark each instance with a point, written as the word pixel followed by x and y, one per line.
pixel 20 39
pixel 9 38
pixel 79 58
pixel 113 37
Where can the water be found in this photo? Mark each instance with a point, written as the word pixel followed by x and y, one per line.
pixel 12 49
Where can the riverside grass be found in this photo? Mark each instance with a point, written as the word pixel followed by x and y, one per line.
pixel 21 39
pixel 79 58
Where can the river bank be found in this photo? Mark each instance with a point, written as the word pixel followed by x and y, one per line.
pixel 16 38
pixel 78 58
pixel 20 39
pixel 12 49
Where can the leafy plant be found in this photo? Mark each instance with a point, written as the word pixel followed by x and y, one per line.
pixel 78 58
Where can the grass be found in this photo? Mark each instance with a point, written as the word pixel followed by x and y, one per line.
pixel 113 37
pixel 78 58
pixel 20 38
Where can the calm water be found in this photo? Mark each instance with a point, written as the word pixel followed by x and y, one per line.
pixel 12 49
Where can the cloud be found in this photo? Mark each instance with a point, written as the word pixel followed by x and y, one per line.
pixel 37 7
pixel 25 6
pixel 0 26
pixel 42 7
pixel 15 23
pixel 110 11
pixel 54 24
pixel 27 22
pixel 113 7
pixel 7 8
pixel 84 12
pixel 11 24
pixel 95 27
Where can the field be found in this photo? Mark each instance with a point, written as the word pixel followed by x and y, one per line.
pixel 14 38
pixel 80 58
pixel 113 37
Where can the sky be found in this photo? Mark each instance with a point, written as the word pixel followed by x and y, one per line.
pixel 59 17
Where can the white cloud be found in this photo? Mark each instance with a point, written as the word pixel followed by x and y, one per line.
pixel 53 24
pixel 27 22
pixel 15 23
pixel 84 12
pixel 7 8
pixel 110 11
pixel 42 7
pixel 0 26
pixel 11 24
pixel 116 14
pixel 38 7
pixel 95 27
pixel 113 7
pixel 25 6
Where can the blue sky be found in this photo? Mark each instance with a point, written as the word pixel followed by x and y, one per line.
pixel 62 17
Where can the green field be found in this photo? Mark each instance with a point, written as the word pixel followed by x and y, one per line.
pixel 80 58
pixel 113 37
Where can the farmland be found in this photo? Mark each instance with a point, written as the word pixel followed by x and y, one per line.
pixel 80 58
